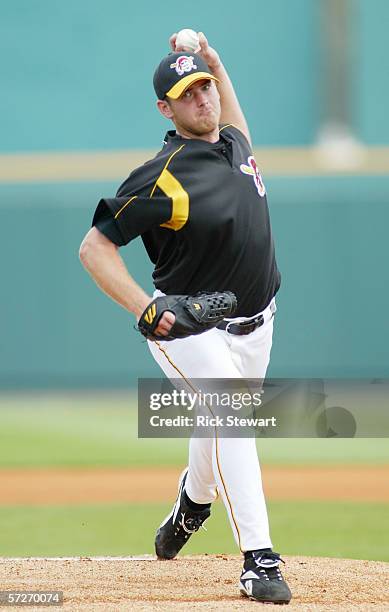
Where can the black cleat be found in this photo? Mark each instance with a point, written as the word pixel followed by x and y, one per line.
pixel 261 579
pixel 179 525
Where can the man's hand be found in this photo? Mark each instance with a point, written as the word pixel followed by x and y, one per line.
pixel 166 321
pixel 209 55
pixel 165 324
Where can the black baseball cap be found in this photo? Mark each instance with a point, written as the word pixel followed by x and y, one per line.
pixel 177 72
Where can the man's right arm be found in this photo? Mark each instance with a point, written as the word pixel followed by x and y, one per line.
pixel 231 111
pixel 101 258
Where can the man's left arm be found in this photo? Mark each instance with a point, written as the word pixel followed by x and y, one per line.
pixel 231 111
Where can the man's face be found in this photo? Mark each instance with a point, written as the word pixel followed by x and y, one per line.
pixel 197 110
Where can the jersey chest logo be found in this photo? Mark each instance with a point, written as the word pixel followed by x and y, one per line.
pixel 252 170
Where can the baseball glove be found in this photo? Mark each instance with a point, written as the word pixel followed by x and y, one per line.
pixel 194 314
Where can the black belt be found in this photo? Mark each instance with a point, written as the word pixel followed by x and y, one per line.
pixel 242 328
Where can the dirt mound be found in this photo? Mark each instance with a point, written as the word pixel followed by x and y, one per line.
pixel 195 583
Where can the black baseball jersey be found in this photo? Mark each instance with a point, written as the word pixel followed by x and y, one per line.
pixel 202 213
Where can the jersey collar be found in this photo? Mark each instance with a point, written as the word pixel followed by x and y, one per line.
pixel 173 137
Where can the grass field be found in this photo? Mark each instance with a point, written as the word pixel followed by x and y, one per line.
pixel 90 430
pixel 331 529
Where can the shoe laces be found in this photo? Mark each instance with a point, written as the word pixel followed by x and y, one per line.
pixel 270 559
pixel 267 565
pixel 191 524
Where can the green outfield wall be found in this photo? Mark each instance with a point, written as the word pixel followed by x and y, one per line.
pixel 59 330
pixel 78 75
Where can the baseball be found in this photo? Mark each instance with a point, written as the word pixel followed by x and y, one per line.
pixel 188 39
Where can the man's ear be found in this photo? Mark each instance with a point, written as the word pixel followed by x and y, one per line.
pixel 165 109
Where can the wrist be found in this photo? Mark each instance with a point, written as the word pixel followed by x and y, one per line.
pixel 213 60
pixel 140 307
pixel 214 66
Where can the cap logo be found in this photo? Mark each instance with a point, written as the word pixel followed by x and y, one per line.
pixel 184 63
pixel 253 170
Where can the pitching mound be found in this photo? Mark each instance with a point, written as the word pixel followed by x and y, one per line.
pixel 195 583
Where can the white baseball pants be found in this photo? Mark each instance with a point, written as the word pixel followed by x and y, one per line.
pixel 228 466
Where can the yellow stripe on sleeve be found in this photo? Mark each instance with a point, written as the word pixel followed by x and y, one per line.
pixel 174 190
pixel 165 167
pixel 124 206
